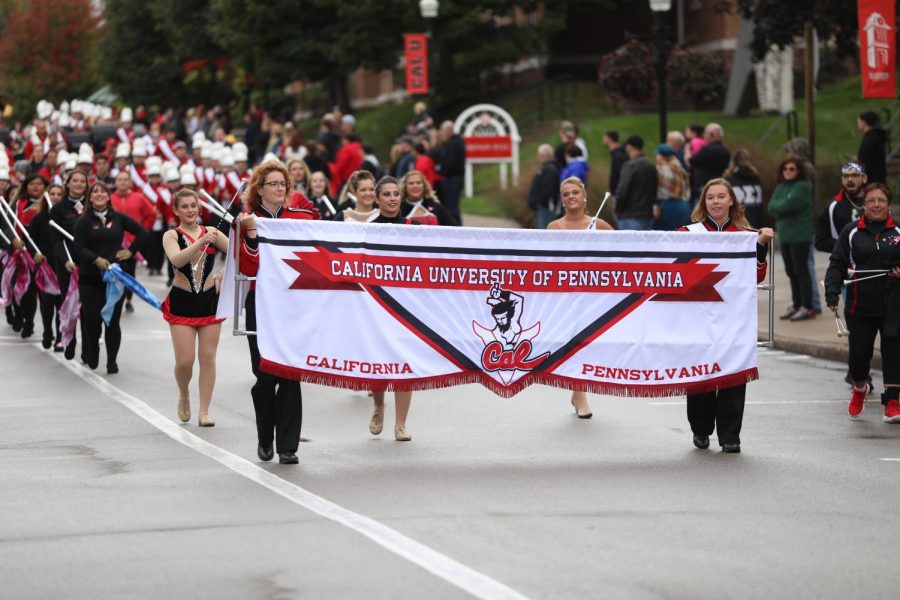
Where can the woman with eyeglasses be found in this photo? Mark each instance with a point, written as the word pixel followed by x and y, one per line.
pixel 869 250
pixel 791 207
pixel 277 401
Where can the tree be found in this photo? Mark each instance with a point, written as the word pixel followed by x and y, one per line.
pixel 779 22
pixel 48 50
pixel 137 56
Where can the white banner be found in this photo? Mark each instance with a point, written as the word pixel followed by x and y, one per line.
pixel 405 307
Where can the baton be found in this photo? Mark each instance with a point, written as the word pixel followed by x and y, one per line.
pixel 211 200
pixel 219 224
pixel 849 281
pixel 217 211
pixel 593 224
pixel 22 227
pixel 841 328
pixel 66 235
pixel 855 271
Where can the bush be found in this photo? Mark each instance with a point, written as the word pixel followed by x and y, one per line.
pixel 627 73
pixel 698 76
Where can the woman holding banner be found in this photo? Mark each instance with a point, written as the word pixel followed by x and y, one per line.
pixel 722 409
pixel 99 234
pixel 420 203
pixel 277 400
pixel 576 218
pixel 389 202
pixel 190 307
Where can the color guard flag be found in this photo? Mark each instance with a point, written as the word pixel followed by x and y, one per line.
pixel 877 48
pixel 375 307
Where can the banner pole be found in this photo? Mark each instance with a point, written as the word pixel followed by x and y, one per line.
pixel 237 277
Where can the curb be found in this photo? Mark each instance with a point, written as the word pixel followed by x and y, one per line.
pixel 837 351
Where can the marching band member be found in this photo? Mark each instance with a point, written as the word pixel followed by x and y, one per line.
pixel 575 217
pixel 361 189
pixel 320 195
pixel 28 205
pixel 723 409
pixel 277 401
pixel 872 307
pixel 133 203
pixel 65 214
pixel 190 307
pixel 421 203
pixel 99 234
pixel 389 199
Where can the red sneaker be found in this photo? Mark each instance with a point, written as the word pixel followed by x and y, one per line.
pixel 892 412
pixel 857 401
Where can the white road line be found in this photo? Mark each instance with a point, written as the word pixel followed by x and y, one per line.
pixel 451 571
pixel 796 357
pixel 890 459
pixel 683 402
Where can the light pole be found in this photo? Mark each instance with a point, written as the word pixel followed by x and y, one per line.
pixel 660 8
pixel 429 11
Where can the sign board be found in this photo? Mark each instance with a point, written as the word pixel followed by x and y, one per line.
pixel 415 49
pixel 491 137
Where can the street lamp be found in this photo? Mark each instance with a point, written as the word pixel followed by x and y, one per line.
pixel 429 11
pixel 659 8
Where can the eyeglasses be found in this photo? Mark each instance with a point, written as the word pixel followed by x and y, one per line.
pixel 876 200
pixel 280 184
pixel 789 168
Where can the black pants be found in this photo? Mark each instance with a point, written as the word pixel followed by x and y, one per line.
pixel 451 190
pixel 24 313
pixel 722 410
pixel 129 267
pixel 153 251
pixel 862 344
pixel 796 257
pixel 278 403
pixel 93 297
pixel 49 309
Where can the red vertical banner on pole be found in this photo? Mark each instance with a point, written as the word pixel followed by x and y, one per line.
pixel 415 48
pixel 878 48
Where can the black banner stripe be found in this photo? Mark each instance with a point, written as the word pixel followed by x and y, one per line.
pixel 335 246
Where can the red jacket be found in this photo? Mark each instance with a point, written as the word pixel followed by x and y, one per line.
pixel 136 206
pixel 349 159
pixel 425 164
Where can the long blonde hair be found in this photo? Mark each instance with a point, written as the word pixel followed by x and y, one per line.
pixel 429 191
pixel 735 212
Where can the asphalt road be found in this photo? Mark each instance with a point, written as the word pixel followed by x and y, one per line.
pixel 104 494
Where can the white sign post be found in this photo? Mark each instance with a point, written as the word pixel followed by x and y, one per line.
pixel 491 137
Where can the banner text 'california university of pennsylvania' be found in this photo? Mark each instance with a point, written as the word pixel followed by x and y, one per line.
pixel 413 307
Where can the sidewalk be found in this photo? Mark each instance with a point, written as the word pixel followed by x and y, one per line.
pixel 815 337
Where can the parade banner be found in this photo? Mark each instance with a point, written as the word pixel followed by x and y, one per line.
pixel 415 49
pixel 375 307
pixel 877 48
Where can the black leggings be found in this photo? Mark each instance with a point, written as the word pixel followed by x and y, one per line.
pixel 862 344
pixel 278 402
pixel 49 309
pixel 796 257
pixel 93 297
pixel 129 267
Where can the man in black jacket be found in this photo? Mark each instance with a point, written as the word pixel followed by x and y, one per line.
pixel 710 161
pixel 636 192
pixel 617 157
pixel 872 148
pixel 845 207
pixel 543 197
pixel 451 166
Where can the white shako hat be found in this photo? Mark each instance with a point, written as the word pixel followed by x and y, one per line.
pixel 154 165
pixel 127 115
pixel 240 151
pixel 123 151
pixel 187 175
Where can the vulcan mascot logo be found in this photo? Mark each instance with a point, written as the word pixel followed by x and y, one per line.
pixel 507 346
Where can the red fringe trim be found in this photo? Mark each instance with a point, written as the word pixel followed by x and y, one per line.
pixel 350 382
